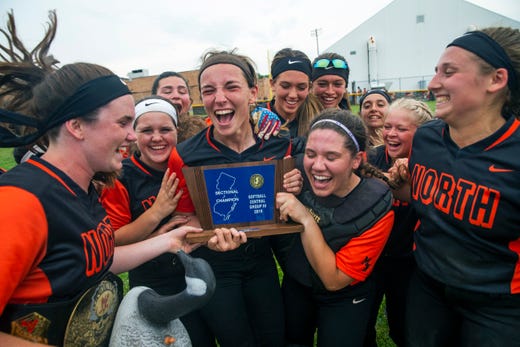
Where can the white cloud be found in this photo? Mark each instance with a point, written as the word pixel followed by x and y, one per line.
pixel 163 35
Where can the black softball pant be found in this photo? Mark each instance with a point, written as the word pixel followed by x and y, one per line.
pixel 246 309
pixel 441 315
pixel 341 318
pixel 392 277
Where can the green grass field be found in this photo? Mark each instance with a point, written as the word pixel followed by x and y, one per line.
pixel 6 158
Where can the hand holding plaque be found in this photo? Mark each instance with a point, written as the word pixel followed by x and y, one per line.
pixel 239 195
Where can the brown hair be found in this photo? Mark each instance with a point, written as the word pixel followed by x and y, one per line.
pixel 311 106
pixel 509 40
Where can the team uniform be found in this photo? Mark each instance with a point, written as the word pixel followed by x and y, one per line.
pixel 133 193
pixel 356 228
pixel 468 240
pixel 65 245
pixel 246 309
pixel 395 266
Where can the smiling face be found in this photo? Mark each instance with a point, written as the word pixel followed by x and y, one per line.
pixel 290 89
pixel 329 89
pixel 226 97
pixel 156 138
pixel 459 87
pixel 398 131
pixel 373 110
pixel 111 130
pixel 175 89
pixel 328 164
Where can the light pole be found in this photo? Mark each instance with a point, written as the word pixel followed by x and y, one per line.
pixel 315 33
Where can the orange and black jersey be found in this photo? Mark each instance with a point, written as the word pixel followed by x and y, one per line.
pixel 468 203
pixel 135 192
pixel 400 242
pixel 356 228
pixel 55 239
pixel 203 149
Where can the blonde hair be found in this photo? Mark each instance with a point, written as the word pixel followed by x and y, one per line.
pixel 420 110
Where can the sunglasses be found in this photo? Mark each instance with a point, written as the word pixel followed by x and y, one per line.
pixel 337 63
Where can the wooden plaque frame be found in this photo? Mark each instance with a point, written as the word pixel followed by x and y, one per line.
pixel 196 183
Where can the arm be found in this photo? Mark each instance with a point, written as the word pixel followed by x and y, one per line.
pixel 130 256
pixel 320 255
pixel 360 254
pixel 116 202
pixel 23 243
pixel 354 262
pixel 7 340
pixel 19 254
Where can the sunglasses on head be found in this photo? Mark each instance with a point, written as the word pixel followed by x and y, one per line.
pixel 337 63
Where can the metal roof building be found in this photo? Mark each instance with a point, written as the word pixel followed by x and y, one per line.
pixel 399 46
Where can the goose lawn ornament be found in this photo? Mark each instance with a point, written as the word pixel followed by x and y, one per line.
pixel 146 318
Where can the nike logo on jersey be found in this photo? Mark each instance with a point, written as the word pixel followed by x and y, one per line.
pixel 493 168
pixel 270 158
pixel 357 301
pixel 290 62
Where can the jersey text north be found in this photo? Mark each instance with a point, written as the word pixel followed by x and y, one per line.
pixel 460 198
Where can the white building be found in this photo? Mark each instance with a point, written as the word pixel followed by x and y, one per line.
pixel 399 46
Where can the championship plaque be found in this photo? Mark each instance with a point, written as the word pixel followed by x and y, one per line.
pixel 240 195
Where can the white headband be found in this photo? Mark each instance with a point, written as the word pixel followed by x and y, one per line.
pixel 155 105
pixel 343 127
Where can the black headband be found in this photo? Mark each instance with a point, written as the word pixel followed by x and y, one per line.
pixel 375 91
pixel 317 72
pixel 490 51
pixel 249 71
pixel 87 98
pixel 291 63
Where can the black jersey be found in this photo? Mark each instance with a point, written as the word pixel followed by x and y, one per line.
pixel 55 241
pixel 134 193
pixel 400 242
pixel 468 203
pixel 355 227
